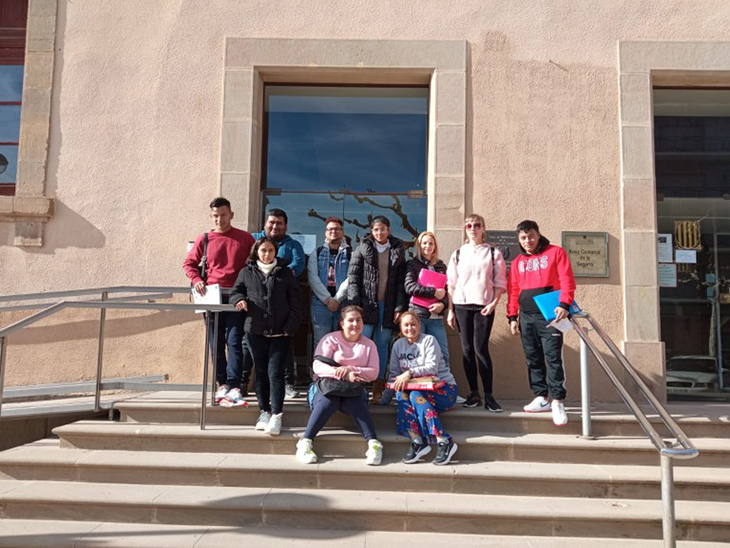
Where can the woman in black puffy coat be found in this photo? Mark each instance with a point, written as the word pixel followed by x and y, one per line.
pixel 376 277
pixel 267 291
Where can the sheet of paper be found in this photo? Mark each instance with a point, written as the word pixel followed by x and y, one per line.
pixel 212 296
pixel 563 325
pixel 686 256
pixel 668 275
pixel 664 248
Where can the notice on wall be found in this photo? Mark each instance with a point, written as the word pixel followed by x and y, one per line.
pixel 667 275
pixel 588 252
pixel 308 241
pixel 664 249
pixel 687 256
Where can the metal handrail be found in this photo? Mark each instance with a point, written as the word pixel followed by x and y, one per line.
pixel 104 305
pixel 682 448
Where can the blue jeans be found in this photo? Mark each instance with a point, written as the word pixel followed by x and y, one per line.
pixel 435 327
pixel 381 337
pixel 323 321
pixel 230 333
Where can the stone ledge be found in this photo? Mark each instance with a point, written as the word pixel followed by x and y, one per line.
pixel 26 208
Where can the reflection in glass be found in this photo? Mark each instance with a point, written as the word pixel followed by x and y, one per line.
pixel 9 123
pixel 11 154
pixel 307 212
pixel 346 138
pixel 11 83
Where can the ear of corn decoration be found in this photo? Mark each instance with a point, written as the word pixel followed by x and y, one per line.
pixel 687 235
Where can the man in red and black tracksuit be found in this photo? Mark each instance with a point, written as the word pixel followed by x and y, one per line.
pixel 541 268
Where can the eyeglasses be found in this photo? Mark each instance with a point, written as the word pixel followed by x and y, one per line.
pixel 331 228
pixel 469 226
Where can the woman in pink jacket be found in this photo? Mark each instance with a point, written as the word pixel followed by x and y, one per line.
pixel 476 279
pixel 348 356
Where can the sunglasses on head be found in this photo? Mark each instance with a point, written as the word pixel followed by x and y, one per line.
pixel 469 226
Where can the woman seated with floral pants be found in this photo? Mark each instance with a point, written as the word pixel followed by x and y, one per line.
pixel 419 355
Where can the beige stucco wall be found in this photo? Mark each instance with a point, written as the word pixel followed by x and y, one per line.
pixel 134 149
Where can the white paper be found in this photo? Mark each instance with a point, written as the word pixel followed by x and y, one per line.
pixel 668 275
pixel 212 296
pixel 686 256
pixel 563 325
pixel 308 241
pixel 664 248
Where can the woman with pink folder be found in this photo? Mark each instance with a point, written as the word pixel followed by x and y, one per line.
pixel 425 285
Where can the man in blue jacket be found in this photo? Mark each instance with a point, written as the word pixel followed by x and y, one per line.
pixel 275 228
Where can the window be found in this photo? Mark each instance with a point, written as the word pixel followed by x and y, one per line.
pixel 354 152
pixel 13 20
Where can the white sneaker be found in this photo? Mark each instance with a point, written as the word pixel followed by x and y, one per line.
pixel 560 418
pixel 274 426
pixel 234 398
pixel 305 453
pixel 374 454
pixel 263 421
pixel 538 405
pixel 459 400
pixel 221 393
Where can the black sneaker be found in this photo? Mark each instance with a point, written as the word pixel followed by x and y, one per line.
pixel 416 451
pixel 446 450
pixel 473 400
pixel 490 404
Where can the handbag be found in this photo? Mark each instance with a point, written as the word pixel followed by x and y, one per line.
pixel 337 387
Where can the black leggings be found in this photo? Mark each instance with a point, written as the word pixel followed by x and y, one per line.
pixel 474 330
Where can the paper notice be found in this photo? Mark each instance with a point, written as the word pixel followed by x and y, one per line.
pixel 664 248
pixel 686 256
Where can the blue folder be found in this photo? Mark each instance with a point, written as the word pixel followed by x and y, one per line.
pixel 548 302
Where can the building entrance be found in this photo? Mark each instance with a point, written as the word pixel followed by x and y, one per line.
pixel 692 148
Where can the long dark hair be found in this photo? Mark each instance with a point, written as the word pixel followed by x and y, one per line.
pixel 254 255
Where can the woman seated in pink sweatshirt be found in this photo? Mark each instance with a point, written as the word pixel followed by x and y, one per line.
pixel 345 356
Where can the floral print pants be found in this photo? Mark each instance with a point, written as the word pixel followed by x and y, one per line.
pixel 418 410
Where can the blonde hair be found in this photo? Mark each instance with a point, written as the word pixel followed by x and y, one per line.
pixel 476 218
pixel 419 253
pixel 415 317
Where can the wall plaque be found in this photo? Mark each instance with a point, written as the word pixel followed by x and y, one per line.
pixel 507 243
pixel 588 252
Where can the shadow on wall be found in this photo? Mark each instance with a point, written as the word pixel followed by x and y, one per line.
pixel 68 229
pixel 113 328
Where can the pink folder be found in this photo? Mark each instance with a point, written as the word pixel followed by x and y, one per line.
pixel 429 278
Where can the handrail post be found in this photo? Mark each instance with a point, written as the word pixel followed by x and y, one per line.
pixel 100 354
pixel 216 327
pixel 668 523
pixel 3 350
pixel 206 367
pixel 585 390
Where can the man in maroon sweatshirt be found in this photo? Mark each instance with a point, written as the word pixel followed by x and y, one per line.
pixel 226 250
pixel 541 268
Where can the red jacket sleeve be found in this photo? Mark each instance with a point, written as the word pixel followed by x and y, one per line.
pixel 565 275
pixel 513 290
pixel 190 265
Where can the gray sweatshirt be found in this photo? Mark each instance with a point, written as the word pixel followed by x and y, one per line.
pixel 423 358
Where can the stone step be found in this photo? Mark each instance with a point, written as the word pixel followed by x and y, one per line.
pixel 52 463
pixel 331 442
pixel 80 534
pixel 349 510
pixel 615 422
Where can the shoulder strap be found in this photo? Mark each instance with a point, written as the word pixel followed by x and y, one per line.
pixel 204 258
pixel 458 254
pixel 491 249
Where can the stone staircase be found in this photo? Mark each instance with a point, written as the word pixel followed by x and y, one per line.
pixel 155 479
